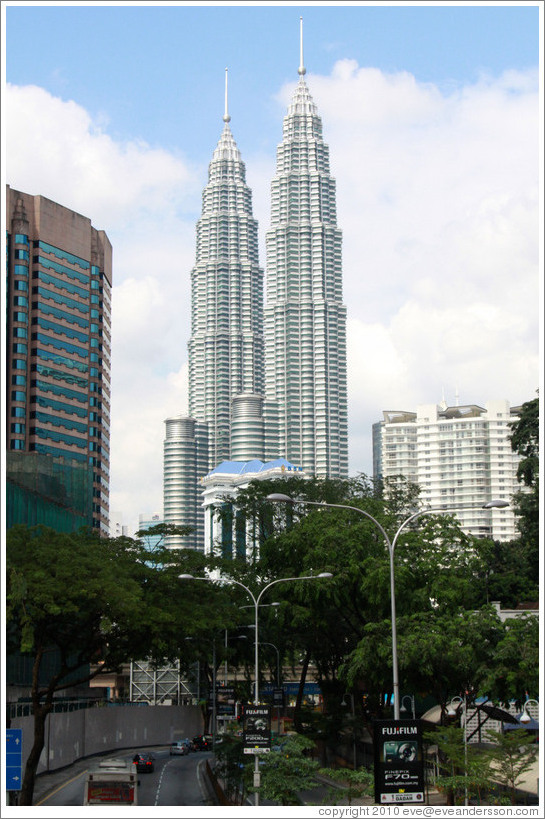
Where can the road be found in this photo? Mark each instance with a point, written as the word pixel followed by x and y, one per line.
pixel 176 780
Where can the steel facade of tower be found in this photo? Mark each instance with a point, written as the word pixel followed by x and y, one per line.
pixel 58 368
pixel 305 319
pixel 226 344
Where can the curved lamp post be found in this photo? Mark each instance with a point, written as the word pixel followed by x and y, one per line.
pixel 409 697
pixel 525 717
pixel 256 601
pixel 391 544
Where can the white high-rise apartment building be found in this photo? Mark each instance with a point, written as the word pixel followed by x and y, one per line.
pixel 458 456
pixel 305 319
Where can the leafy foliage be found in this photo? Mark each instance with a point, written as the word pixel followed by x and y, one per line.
pixel 287 769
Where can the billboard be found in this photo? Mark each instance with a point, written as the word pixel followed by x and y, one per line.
pixel 257 729
pixel 399 762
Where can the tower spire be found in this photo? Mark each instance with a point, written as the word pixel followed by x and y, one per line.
pixel 226 117
pixel 302 70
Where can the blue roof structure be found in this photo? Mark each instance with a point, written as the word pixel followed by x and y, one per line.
pixel 253 467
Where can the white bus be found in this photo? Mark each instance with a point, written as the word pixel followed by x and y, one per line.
pixel 111 782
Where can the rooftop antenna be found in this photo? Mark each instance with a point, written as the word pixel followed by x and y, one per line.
pixel 302 69
pixel 226 117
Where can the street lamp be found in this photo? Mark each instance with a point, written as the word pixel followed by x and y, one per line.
pixel 451 712
pixel 256 601
pixel 353 723
pixel 526 717
pixel 391 544
pixel 409 697
pixel 277 662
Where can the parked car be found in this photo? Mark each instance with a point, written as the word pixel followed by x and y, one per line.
pixel 179 747
pixel 144 762
pixel 202 742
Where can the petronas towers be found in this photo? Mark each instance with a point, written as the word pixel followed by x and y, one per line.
pixel 264 382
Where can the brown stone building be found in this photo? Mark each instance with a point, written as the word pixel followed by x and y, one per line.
pixel 58 353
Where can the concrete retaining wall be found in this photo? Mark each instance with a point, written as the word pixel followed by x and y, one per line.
pixel 75 734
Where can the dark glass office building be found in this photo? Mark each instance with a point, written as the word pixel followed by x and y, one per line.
pixel 59 279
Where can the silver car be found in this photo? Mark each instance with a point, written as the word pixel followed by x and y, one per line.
pixel 179 748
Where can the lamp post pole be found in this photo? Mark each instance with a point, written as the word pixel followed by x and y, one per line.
pixel 256 601
pixel 353 725
pixel 277 682
pixel 391 544
pixel 451 713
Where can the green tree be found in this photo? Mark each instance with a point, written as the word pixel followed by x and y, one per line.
pixel 356 784
pixel 514 667
pixel 465 770
pixel 287 769
pixel 513 754
pixel 97 603
pixel 525 441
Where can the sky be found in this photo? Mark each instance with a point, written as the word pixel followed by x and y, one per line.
pixel 432 116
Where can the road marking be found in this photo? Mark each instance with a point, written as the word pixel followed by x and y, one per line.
pixel 49 795
pixel 160 782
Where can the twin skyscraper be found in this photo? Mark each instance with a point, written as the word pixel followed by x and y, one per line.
pixel 266 381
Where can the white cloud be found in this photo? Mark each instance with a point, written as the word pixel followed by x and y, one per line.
pixel 438 204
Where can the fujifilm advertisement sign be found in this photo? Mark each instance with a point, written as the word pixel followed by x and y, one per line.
pixel 399 763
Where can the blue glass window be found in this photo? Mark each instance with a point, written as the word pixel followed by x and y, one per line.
pixel 95 270
pixel 19 348
pixel 19 429
pixel 20 332
pixel 17 444
pixel 59 437
pixel 53 450
pixel 59 376
pixel 62 285
pixel 59 406
pixel 63 254
pixel 21 254
pixel 18 412
pixel 20 317
pixel 94 371
pixel 21 239
pixel 58 390
pixel 45 355
pixel 95 285
pixel 58 328
pixel 20 284
pixel 20 301
pixel 20 270
pixel 59 298
pixel 48 310
pixel 17 395
pixel 95 343
pixel 60 268
pixel 60 344
pixel 95 299
pixel 94 328
pixel 95 314
pixel 18 364
pixel 54 420
pixel 18 380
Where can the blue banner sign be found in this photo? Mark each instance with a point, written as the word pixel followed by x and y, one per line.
pixel 14 759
